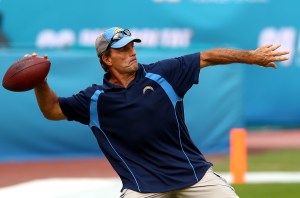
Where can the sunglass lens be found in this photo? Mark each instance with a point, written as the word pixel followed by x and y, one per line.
pixel 127 32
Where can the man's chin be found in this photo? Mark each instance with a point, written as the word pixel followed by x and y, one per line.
pixel 134 65
pixel 132 68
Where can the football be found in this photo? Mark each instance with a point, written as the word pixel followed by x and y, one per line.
pixel 26 73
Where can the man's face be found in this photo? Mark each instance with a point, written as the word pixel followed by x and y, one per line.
pixel 123 60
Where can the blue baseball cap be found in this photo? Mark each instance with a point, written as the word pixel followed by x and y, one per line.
pixel 103 40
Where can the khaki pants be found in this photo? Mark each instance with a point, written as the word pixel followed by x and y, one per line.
pixel 210 186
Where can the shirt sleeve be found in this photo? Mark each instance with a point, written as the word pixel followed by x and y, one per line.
pixel 77 107
pixel 181 72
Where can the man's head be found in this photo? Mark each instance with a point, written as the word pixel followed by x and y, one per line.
pixel 114 38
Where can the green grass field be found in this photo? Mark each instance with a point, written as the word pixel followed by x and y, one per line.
pixel 290 190
pixel 278 160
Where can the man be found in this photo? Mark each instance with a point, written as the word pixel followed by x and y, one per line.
pixel 137 116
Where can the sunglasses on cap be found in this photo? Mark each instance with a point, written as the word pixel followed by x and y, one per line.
pixel 118 36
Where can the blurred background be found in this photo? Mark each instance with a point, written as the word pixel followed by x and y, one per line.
pixel 263 101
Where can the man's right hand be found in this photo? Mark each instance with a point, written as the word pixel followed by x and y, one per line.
pixel 47 99
pixel 35 54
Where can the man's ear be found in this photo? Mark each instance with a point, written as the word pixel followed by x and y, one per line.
pixel 106 60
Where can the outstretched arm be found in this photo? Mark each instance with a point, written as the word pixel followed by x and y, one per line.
pixel 47 99
pixel 48 102
pixel 265 56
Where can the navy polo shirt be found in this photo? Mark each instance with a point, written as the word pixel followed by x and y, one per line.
pixel 141 128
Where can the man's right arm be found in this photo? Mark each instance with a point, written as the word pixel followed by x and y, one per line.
pixel 48 102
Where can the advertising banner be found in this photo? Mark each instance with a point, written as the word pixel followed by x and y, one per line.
pixel 226 97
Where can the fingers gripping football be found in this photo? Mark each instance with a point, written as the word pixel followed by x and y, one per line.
pixel 35 55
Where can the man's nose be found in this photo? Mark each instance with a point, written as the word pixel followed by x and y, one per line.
pixel 132 51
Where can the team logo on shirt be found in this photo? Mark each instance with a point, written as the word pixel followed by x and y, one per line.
pixel 147 88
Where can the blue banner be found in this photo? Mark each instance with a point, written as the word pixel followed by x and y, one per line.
pixel 227 96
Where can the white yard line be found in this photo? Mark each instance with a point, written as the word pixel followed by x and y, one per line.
pixel 64 188
pixel 267 177
pixel 110 187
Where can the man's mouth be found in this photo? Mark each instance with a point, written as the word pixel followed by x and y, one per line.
pixel 133 60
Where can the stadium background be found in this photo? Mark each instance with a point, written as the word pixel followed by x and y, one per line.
pixel 226 97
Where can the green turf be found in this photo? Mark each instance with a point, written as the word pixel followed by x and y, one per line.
pixel 291 190
pixel 276 160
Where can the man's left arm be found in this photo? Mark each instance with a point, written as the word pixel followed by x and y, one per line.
pixel 265 56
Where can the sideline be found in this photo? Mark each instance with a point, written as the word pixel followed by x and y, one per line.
pixel 99 187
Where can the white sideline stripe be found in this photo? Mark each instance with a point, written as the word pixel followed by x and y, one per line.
pixel 110 187
pixel 64 188
pixel 267 177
